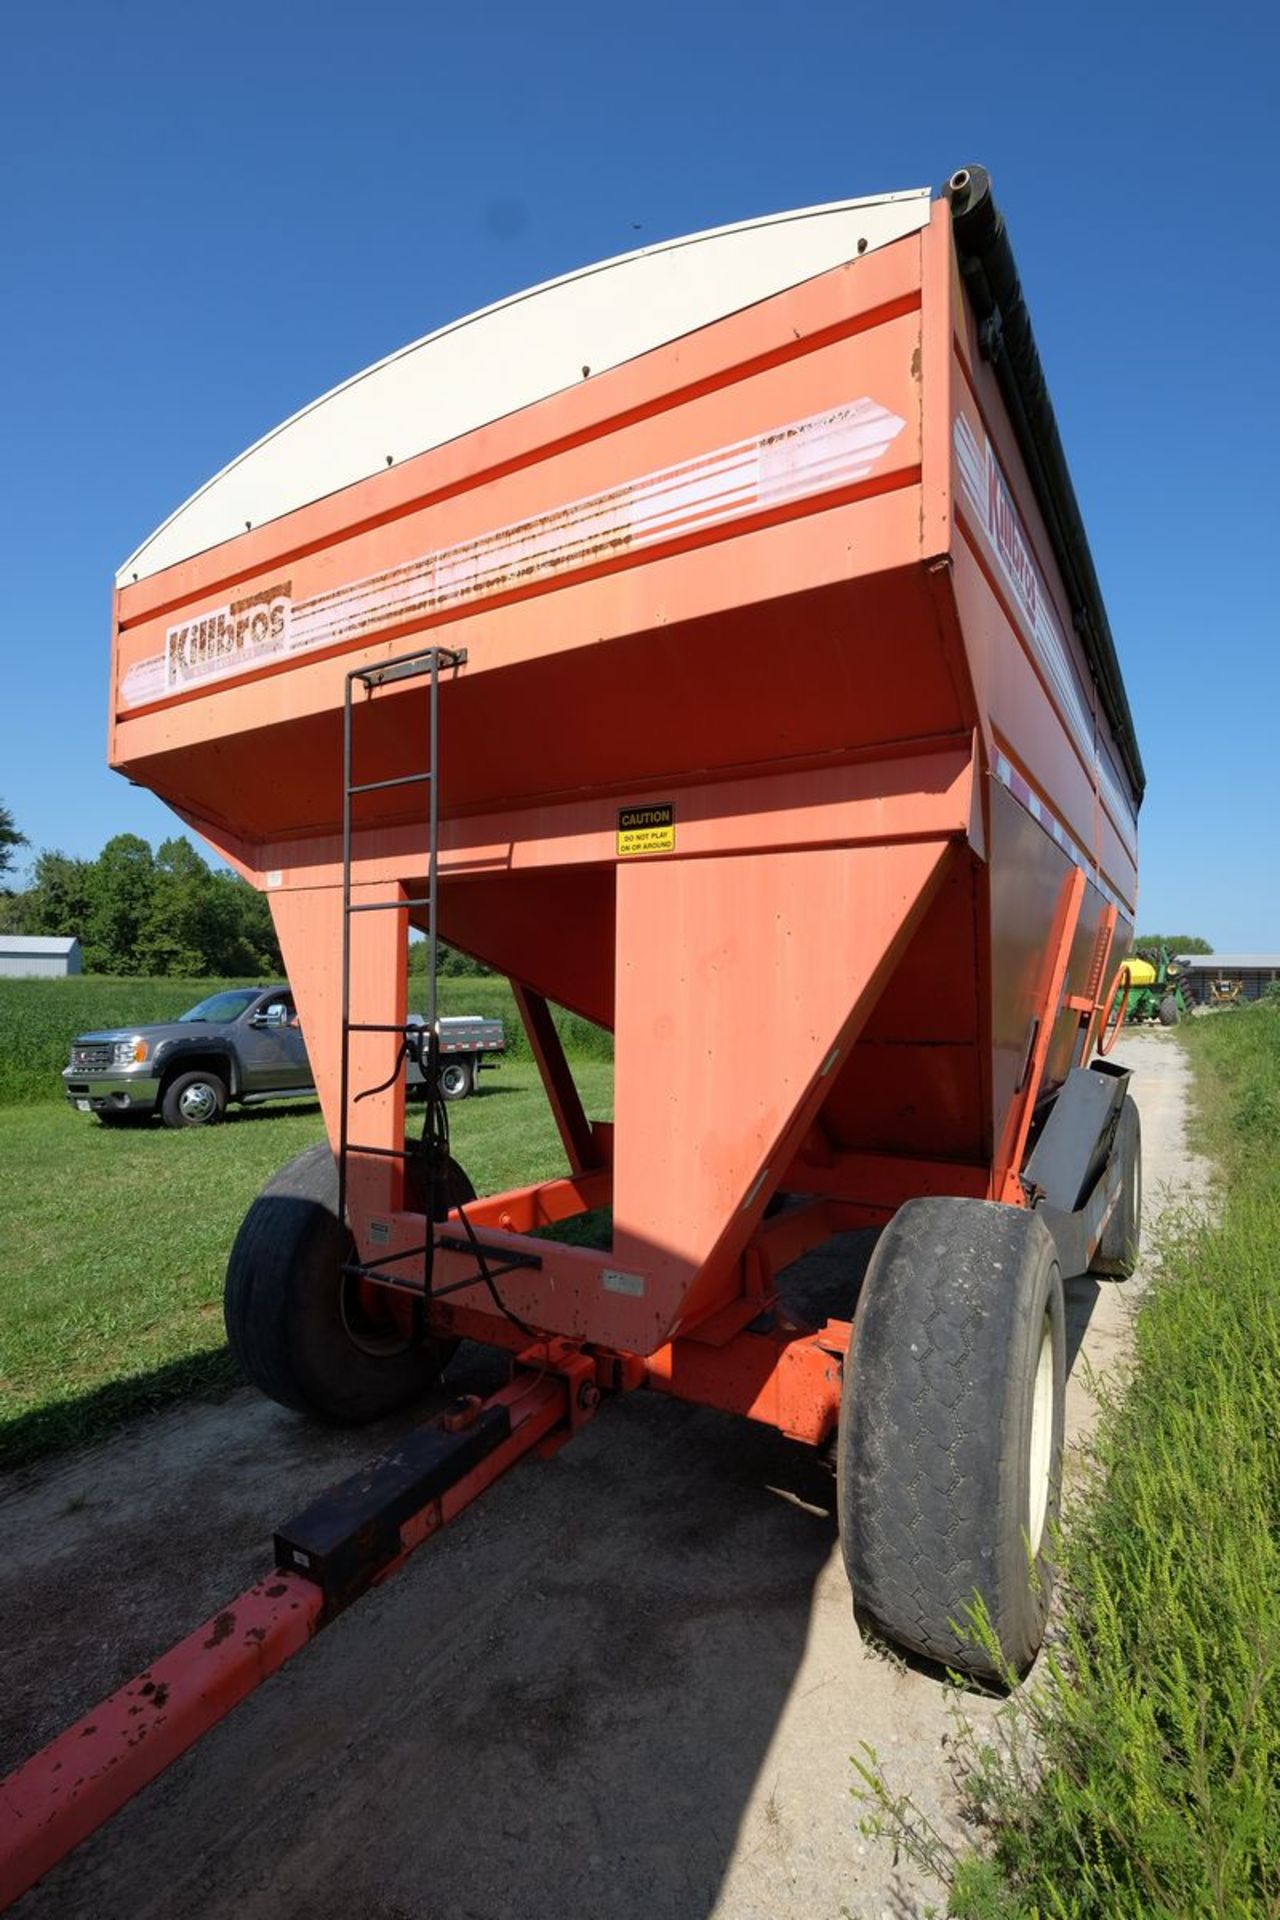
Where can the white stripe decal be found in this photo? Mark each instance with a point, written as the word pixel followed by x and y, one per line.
pixel 795 462
pixel 993 510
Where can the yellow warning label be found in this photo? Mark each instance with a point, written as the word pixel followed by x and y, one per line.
pixel 650 829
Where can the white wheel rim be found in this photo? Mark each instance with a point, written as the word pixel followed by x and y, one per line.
pixel 1041 1449
pixel 197 1102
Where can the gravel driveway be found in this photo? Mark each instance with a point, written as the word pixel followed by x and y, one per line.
pixel 628 1682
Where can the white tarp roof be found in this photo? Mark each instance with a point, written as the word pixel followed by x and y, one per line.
pixel 507 356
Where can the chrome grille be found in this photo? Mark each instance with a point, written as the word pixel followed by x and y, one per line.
pixel 94 1059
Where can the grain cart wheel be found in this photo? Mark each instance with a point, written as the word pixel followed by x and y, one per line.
pixel 194 1100
pixel 456 1079
pixel 1117 1253
pixel 1169 1011
pixel 298 1328
pixel 950 1446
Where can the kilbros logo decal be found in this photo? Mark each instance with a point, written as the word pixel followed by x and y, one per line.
pixel 230 638
pixel 992 513
pixel 1008 538
pixel 765 474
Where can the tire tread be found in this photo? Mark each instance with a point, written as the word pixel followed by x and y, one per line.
pixel 919 1478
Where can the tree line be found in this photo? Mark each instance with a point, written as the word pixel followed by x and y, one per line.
pixel 1172 942
pixel 139 911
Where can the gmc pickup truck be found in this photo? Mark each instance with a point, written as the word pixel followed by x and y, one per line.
pixel 241 1045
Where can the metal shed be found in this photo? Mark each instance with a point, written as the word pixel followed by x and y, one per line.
pixel 1254 971
pixel 30 956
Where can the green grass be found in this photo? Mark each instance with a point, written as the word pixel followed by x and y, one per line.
pixel 40 1018
pixel 1141 1776
pixel 113 1243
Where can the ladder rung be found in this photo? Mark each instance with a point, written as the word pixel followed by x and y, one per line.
pixel 380 786
pixel 454 1243
pixel 372 1268
pixel 383 906
pixel 377 1270
pixel 408 665
pixel 370 1026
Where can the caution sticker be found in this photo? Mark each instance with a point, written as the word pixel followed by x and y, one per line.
pixel 650 829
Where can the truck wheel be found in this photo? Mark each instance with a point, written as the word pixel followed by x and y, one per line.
pixel 194 1100
pixel 297 1326
pixel 1117 1253
pixel 950 1443
pixel 1168 1011
pixel 457 1077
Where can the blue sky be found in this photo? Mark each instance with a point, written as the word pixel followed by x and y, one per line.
pixel 210 215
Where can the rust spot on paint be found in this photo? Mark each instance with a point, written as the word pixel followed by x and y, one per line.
pixel 274 1593
pixel 223 1628
pixel 162 1693
pixel 86 1731
pixel 915 364
pixel 256 1633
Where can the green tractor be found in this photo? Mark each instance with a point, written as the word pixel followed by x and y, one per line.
pixel 1156 988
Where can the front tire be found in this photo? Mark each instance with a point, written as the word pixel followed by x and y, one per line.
pixel 950 1443
pixel 194 1100
pixel 1168 1014
pixel 297 1326
pixel 1117 1252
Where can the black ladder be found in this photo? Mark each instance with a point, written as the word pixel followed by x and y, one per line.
pixel 420 1043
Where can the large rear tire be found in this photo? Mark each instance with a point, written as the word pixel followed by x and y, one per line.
pixel 950 1445
pixel 298 1328
pixel 1117 1253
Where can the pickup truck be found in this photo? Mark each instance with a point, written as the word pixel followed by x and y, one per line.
pixel 244 1045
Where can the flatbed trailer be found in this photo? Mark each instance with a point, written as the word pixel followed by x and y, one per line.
pixel 709 642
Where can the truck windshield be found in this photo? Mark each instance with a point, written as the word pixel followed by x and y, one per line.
pixel 221 1006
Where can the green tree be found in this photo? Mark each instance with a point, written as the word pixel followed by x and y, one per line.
pixel 120 900
pixel 1175 942
pixel 135 912
pixel 174 935
pixel 452 964
pixel 204 922
pixel 60 896
pixel 10 839
pixel 241 937
pixel 14 913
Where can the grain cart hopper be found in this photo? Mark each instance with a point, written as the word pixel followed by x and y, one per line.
pixel 708 641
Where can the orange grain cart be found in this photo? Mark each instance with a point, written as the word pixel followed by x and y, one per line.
pixel 709 642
